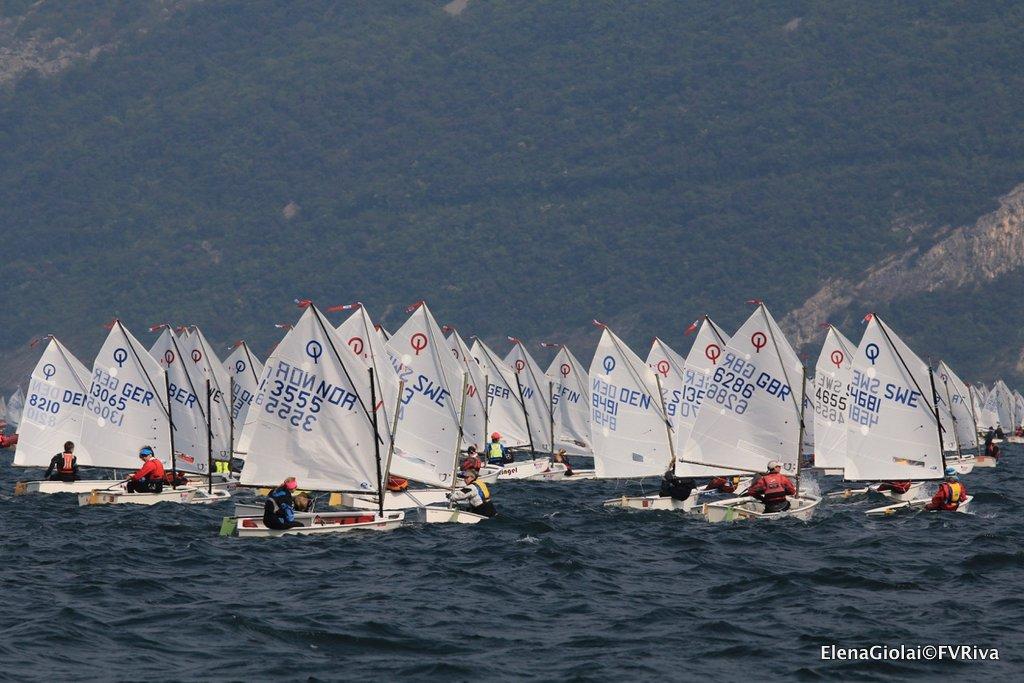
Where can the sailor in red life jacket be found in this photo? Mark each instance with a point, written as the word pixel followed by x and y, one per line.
pixel 63 466
pixel 950 494
pixel 772 489
pixel 150 477
pixel 894 486
pixel 992 450
pixel 723 484
pixel 7 441
pixel 471 461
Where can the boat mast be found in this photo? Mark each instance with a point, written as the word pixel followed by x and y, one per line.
pixel 394 427
pixel 170 427
pixel 487 410
pixel 209 440
pixel 668 425
pixel 458 442
pixel 551 414
pixel 938 420
pixel 231 423
pixel 800 439
pixel 376 444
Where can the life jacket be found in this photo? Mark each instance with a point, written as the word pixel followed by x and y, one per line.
pixel 774 488
pixel 67 465
pixel 495 451
pixel 222 467
pixel 471 463
pixel 954 494
pixel 397 483
pixel 156 472
pixel 485 492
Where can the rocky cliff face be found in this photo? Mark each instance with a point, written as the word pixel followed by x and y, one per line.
pixel 49 36
pixel 966 256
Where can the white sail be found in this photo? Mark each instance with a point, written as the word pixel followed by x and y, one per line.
pixel 188 402
pixel 892 432
pixel 946 418
pixel 831 394
pixel 313 417
pixel 537 394
pixel 427 441
pixel 989 415
pixel 55 408
pixel 205 360
pixel 3 410
pixel 629 428
pixel 960 399
pixel 1003 404
pixel 978 394
pixel 750 413
pixel 1018 409
pixel 700 364
pixel 15 405
pixel 244 371
pixel 359 333
pixel 669 370
pixel 807 447
pixel 572 403
pixel 474 425
pixel 505 413
pixel 126 408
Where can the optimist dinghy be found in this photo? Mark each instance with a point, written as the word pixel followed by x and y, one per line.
pixel 751 416
pixel 914 506
pixel 317 418
pixel 895 430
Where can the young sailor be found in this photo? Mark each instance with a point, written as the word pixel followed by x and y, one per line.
pixel 150 477
pixel 675 487
pixel 279 508
pixel 772 489
pixel 992 450
pixel 7 441
pixel 895 486
pixel 63 466
pixel 560 457
pixel 950 494
pixel 497 452
pixel 723 484
pixel 471 461
pixel 475 494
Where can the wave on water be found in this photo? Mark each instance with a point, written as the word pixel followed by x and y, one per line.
pixel 557 587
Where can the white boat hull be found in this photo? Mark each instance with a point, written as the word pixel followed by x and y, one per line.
pixel 913 505
pixel 404 500
pixel 963 465
pixel 168 495
pixel 845 494
pixel 559 475
pixel 315 524
pixel 654 502
pixel 442 515
pixel 1014 439
pixel 528 468
pixel 985 461
pixel 80 486
pixel 736 509
pixel 489 474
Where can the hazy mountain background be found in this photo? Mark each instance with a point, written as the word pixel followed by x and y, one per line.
pixel 525 167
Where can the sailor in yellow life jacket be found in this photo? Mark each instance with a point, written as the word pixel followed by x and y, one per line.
pixel 950 495
pixel 475 494
pixel 497 452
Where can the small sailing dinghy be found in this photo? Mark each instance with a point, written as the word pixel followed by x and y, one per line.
pixel 751 415
pixel 317 418
pixel 128 406
pixel 831 384
pixel 631 434
pixel 571 406
pixel 508 416
pixel 428 438
pixel 894 427
pixel 53 414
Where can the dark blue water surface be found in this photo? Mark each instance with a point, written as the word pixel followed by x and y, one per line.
pixel 556 588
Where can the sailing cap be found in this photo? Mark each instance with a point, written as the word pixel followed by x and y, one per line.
pixel 950 471
pixel 773 464
pixel 291 485
pixel 145 450
pixel 495 435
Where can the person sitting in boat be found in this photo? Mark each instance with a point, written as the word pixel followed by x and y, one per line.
pixel 950 494
pixel 174 478
pixel 150 477
pixel 475 494
pixel 471 461
pixel 894 486
pixel 279 508
pixel 1000 434
pixel 497 452
pixel 63 466
pixel 7 441
pixel 1019 431
pixel 678 488
pixel 992 450
pixel 723 484
pixel 397 484
pixel 560 457
pixel 772 489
